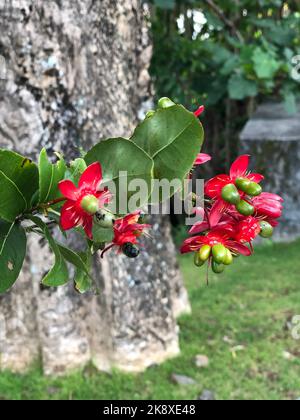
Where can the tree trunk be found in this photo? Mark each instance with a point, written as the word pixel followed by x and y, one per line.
pixel 77 71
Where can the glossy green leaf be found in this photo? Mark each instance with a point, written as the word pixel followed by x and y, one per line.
pixel 123 162
pixel 172 137
pixel 76 169
pixel 101 235
pixel 74 258
pixel 12 253
pixel 59 274
pixel 50 176
pixel 19 182
pixel 82 280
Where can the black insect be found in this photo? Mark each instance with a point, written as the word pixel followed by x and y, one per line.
pixel 130 250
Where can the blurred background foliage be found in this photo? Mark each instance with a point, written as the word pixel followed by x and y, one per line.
pixel 228 55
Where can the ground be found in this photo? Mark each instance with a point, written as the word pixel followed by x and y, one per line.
pixel 240 321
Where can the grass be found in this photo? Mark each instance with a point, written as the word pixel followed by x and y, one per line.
pixel 248 306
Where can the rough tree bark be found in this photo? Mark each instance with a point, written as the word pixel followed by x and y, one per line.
pixel 76 71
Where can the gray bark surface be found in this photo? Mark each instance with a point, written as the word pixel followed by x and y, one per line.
pixel 77 71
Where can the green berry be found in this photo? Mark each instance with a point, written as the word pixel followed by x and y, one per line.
pixel 245 208
pixel 266 230
pixel 230 194
pixel 242 183
pixel 229 258
pixel 104 219
pixel 217 268
pixel 90 204
pixel 197 260
pixel 219 253
pixel 254 189
pixel 165 103
pixel 205 252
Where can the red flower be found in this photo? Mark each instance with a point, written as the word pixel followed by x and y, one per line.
pixel 239 169
pixel 268 205
pixel 201 159
pixel 83 202
pixel 247 229
pixel 216 236
pixel 199 111
pixel 128 230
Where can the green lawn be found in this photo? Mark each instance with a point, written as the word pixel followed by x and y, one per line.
pixel 250 305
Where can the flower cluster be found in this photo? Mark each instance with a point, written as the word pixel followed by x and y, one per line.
pixel 237 212
pixel 85 205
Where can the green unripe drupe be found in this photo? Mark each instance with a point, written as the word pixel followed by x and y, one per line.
pixel 197 260
pixel 104 219
pixel 266 230
pixel 205 252
pixel 229 258
pixel 230 194
pixel 219 253
pixel 90 204
pixel 150 114
pixel 217 268
pixel 245 208
pixel 254 189
pixel 242 183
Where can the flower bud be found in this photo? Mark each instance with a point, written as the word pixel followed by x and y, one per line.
pixel 217 268
pixel 230 194
pixel 204 253
pixel 229 257
pixel 150 113
pixel 254 189
pixel 165 103
pixel 242 183
pixel 219 253
pixel 197 260
pixel 105 219
pixel 130 250
pixel 266 230
pixel 90 204
pixel 244 208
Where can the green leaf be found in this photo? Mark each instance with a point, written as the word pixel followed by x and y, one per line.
pixel 240 88
pixel 76 169
pixel 74 258
pixel 172 137
pixel 265 65
pixel 12 253
pixel 50 176
pixel 123 161
pixel 58 275
pixel 19 182
pixel 101 235
pixel 83 282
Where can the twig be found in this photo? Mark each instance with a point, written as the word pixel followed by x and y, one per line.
pixel 219 12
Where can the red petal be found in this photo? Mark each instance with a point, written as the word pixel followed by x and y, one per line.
pixel 216 213
pixel 213 188
pixel 239 248
pixel 91 177
pixel 199 228
pixel 258 178
pixel 68 189
pixel 239 167
pixel 199 111
pixel 70 217
pixel 202 158
pixel 88 226
pixel 192 244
